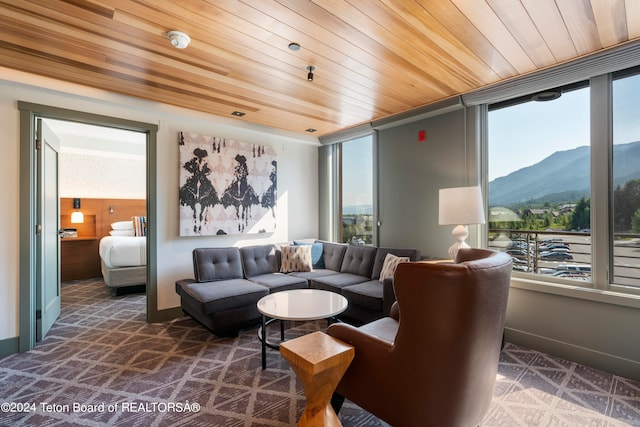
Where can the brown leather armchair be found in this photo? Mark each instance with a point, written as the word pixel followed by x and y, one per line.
pixel 434 360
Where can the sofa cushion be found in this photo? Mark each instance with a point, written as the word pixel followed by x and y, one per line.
pixel 295 258
pixel 381 253
pixel 367 294
pixel 332 253
pixel 390 264
pixel 317 256
pixel 261 259
pixel 280 281
pixel 212 264
pixel 211 297
pixel 314 273
pixel 358 260
pixel 335 282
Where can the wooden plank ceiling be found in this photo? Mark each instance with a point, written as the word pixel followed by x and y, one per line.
pixel 372 58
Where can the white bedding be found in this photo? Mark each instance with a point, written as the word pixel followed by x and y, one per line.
pixel 123 251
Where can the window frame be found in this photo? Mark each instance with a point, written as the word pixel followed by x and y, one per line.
pixel 601 146
pixel 337 232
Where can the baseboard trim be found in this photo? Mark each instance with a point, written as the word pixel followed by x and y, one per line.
pixel 166 315
pixel 585 356
pixel 9 346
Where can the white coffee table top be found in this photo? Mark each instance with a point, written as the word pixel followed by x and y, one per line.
pixel 302 304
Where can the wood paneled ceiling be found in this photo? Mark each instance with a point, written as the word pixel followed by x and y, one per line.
pixel 372 58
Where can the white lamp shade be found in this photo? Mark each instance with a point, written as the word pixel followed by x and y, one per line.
pixel 77 217
pixel 460 206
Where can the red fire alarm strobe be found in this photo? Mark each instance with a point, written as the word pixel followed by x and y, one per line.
pixel 422 136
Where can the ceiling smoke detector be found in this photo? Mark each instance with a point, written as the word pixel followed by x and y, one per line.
pixel 179 39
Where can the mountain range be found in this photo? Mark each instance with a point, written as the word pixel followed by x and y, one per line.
pixel 564 176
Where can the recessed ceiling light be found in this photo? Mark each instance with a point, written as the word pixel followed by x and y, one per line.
pixel 238 113
pixel 310 130
pixel 294 46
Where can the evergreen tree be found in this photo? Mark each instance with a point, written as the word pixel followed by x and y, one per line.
pixel 626 202
pixel 581 217
pixel 635 222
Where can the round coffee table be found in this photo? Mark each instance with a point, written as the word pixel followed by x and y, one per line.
pixel 296 305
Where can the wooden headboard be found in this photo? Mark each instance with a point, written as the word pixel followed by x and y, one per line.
pixel 100 213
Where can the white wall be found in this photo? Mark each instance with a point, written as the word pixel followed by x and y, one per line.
pixel 100 176
pixel 297 210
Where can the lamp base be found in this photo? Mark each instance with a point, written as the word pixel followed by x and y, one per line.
pixel 460 233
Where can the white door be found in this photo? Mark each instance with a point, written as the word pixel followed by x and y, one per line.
pixel 47 237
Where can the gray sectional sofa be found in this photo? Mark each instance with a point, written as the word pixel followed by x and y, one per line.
pixel 228 282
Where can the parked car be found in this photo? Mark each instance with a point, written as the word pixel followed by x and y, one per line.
pixel 552 241
pixel 574 267
pixel 551 246
pixel 567 250
pixel 518 245
pixel 572 275
pixel 518 253
pixel 555 256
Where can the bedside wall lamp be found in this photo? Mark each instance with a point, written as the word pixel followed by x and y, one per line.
pixel 77 216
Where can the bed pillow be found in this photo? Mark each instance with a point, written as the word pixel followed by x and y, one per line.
pixel 122 232
pixel 122 225
pixel 390 264
pixel 296 258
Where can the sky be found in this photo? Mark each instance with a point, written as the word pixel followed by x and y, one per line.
pixel 542 128
pixel 524 134
pixel 357 179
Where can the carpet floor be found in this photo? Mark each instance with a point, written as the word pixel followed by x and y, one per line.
pixel 103 365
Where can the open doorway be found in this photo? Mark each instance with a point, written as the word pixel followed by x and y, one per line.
pixel 102 194
pixel 33 278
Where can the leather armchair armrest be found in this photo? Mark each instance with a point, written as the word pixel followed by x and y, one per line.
pixel 362 341
pixel 388 296
pixel 395 311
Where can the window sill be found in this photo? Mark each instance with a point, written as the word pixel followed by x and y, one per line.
pixel 573 291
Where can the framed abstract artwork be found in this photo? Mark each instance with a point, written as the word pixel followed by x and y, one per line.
pixel 226 186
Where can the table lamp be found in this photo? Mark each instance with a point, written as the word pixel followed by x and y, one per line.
pixel 460 206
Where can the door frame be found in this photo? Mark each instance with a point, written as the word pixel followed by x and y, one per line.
pixel 28 185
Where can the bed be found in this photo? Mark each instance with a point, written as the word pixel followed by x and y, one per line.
pixel 123 260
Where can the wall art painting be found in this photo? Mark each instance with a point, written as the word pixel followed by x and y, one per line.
pixel 226 186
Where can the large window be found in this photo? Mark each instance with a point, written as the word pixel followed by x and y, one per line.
pixel 356 191
pixel 563 202
pixel 539 182
pixel 626 179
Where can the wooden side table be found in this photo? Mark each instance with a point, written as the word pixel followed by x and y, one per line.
pixel 319 362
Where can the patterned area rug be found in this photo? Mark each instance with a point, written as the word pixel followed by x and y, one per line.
pixel 103 365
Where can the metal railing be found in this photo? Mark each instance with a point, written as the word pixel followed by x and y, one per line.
pixel 527 247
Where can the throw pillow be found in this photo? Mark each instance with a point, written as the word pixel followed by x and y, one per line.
pixel 390 264
pixel 317 260
pixel 296 258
